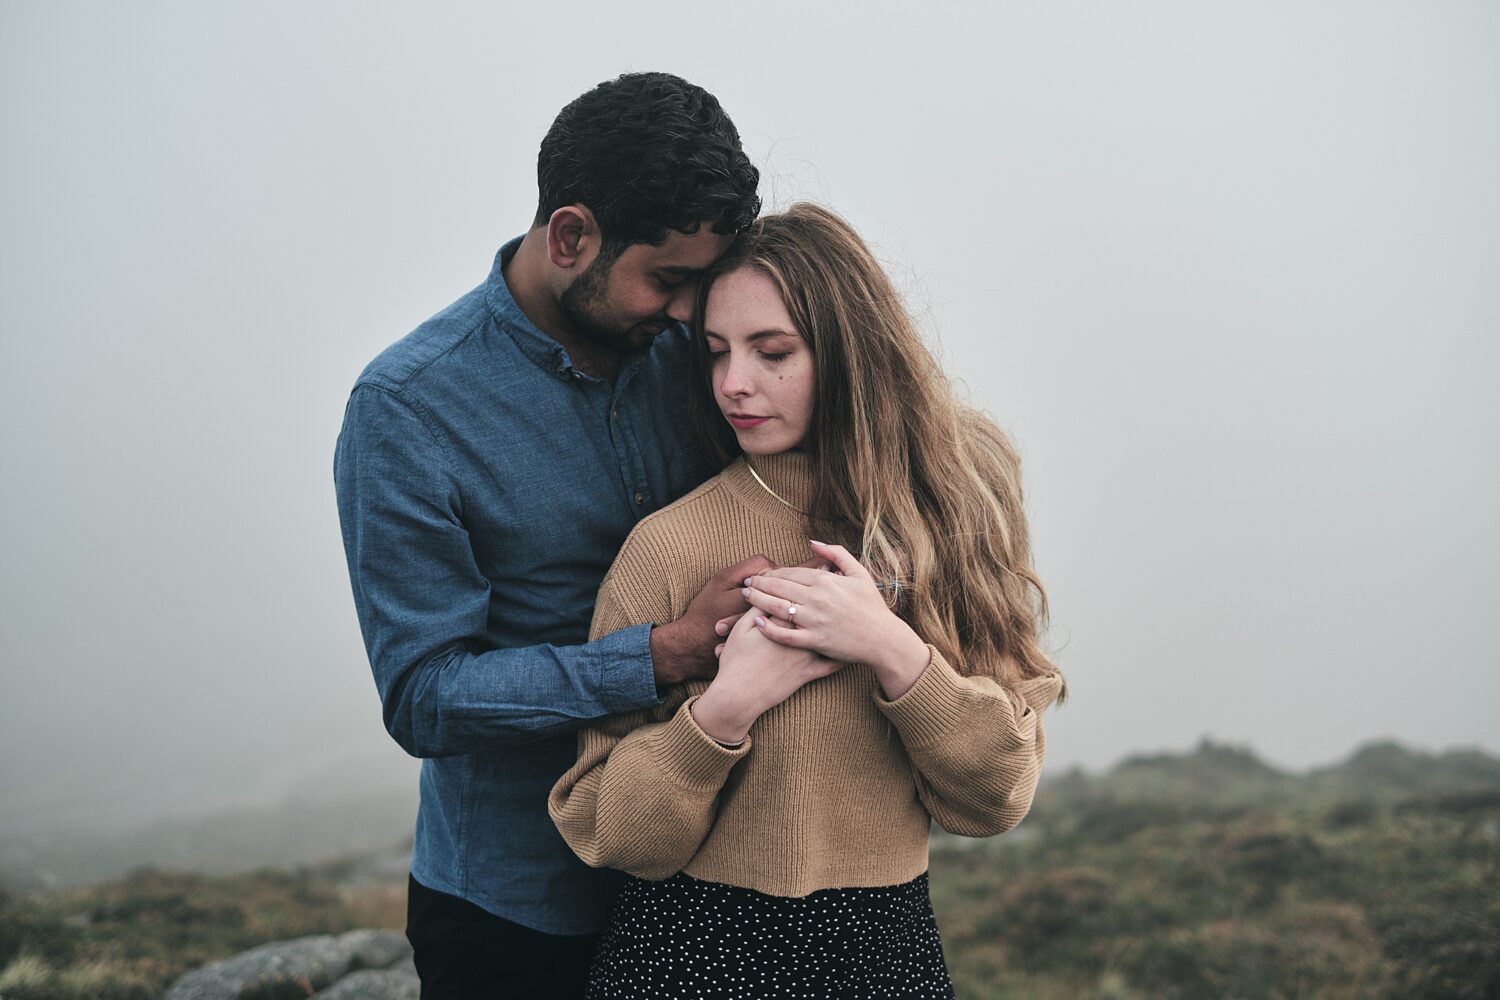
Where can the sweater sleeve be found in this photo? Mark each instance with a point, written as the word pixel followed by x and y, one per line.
pixel 644 791
pixel 976 746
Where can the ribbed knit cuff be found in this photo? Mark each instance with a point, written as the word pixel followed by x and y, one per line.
pixel 1039 692
pixel 932 708
pixel 689 756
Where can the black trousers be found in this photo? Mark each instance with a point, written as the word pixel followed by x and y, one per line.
pixel 464 952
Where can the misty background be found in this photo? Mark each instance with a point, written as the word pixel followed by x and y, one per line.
pixel 1228 274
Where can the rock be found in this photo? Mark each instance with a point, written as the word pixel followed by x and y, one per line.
pixel 375 984
pixel 306 964
pixel 376 949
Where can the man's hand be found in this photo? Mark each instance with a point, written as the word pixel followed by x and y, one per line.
pixel 685 648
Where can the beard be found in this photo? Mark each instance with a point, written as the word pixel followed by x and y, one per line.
pixel 586 305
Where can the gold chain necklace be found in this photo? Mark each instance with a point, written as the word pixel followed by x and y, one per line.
pixel 756 475
pixel 894 586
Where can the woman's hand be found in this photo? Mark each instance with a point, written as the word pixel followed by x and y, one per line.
pixel 755 674
pixel 839 615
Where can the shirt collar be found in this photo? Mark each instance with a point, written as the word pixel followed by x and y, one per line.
pixel 547 353
pixel 541 348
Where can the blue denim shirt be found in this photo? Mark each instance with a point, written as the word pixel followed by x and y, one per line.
pixel 484 487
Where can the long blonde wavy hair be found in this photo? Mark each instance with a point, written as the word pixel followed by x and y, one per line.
pixel 926 489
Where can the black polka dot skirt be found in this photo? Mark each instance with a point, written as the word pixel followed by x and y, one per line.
pixel 686 938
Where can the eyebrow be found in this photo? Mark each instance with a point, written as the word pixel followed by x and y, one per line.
pixel 761 335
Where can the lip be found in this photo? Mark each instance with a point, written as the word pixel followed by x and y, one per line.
pixel 745 421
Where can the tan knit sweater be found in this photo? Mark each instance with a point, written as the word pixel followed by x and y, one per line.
pixel 836 786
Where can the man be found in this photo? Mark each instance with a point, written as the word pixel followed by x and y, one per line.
pixel 490 465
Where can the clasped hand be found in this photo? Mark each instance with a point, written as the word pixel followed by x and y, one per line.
pixel 837 612
pixel 834 613
pixel 755 675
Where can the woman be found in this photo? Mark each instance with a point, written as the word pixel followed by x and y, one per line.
pixel 777 817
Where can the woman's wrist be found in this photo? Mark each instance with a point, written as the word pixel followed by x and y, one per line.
pixel 720 720
pixel 902 661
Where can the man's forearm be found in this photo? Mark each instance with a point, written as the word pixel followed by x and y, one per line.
pixel 676 654
pixel 458 702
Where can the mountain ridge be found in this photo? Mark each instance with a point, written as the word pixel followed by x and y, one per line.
pixel 309 829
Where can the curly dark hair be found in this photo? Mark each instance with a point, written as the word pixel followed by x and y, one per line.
pixel 647 152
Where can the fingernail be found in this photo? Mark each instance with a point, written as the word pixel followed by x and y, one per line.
pixel 745 593
pixel 720 629
pixel 747 581
pixel 760 623
pixel 816 542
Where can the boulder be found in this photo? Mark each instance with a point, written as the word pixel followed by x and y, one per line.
pixel 302 966
pixel 374 984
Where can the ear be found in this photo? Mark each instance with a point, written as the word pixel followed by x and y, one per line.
pixel 572 237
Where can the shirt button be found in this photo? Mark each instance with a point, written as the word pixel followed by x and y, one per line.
pixel 640 497
pixel 614 414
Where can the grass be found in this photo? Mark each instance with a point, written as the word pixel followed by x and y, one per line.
pixel 131 937
pixel 1200 876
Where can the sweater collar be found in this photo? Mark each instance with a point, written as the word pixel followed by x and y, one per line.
pixel 788 474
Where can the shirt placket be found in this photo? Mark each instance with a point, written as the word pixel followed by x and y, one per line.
pixel 627 447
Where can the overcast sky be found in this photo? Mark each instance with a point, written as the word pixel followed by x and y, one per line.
pixel 1227 272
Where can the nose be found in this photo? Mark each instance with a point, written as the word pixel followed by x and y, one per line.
pixel 736 383
pixel 684 297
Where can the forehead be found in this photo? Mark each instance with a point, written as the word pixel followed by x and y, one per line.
pixel 680 252
pixel 743 302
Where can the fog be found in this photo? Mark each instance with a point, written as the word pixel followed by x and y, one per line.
pixel 1227 272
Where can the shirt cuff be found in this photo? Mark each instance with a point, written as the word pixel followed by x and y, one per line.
pixel 627 675
pixel 932 708
pixel 690 757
